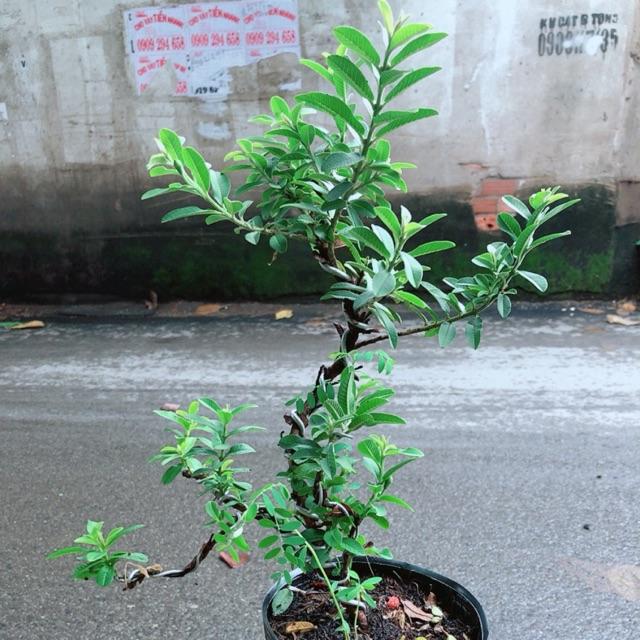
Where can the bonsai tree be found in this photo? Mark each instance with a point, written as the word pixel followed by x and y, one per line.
pixel 323 167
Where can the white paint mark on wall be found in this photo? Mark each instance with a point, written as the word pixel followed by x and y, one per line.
pixel 213 108
pixel 294 85
pixel 592 45
pixel 4 116
pixel 212 131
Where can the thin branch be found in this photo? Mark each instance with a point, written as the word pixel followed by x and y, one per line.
pixel 132 581
pixel 433 325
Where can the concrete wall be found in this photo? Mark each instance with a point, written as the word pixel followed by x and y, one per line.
pixel 519 107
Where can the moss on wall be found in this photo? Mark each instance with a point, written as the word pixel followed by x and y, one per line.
pixel 189 261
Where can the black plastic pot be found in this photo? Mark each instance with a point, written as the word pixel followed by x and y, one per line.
pixel 452 597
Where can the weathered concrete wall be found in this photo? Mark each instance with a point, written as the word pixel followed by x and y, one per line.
pixel 519 106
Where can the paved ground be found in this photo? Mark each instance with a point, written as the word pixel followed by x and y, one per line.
pixel 528 440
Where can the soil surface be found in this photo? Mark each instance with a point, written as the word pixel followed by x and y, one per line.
pixel 405 611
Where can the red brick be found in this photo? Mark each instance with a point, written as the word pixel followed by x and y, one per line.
pixel 501 206
pixel 498 186
pixel 486 222
pixel 484 205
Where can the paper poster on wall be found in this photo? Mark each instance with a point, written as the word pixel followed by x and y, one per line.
pixel 156 30
pixel 270 28
pixel 201 42
pixel 148 66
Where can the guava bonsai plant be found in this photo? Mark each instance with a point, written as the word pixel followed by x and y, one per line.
pixel 325 186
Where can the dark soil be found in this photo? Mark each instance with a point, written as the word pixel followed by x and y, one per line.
pixel 382 623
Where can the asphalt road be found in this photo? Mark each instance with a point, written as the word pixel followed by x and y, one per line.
pixel 528 494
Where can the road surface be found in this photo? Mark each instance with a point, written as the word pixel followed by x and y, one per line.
pixel 529 493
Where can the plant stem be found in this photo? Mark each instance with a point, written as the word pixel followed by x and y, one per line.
pixel 325 577
pixel 359 168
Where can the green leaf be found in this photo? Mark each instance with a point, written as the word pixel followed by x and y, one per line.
pixel 504 305
pixel 353 546
pixel 412 268
pixel 279 106
pixel 253 237
pixel 408 31
pixel 484 260
pixel 473 331
pixel 291 525
pixel 509 225
pixel 395 500
pixel 389 473
pixel 552 236
pixel 371 466
pixel 154 172
pixel 278 243
pixel 386 418
pixel 153 193
pixel 210 404
pixel 559 209
pixel 338 192
pixel 333 106
pixel 273 553
pixel 346 391
pixel 268 541
pixel 517 205
pixel 169 475
pixel 382 314
pixel 536 200
pixel 281 601
pixel 118 532
pixel 240 449
pixel 355 40
pixel 432 247
pixel 446 334
pixel 345 69
pixel 406 118
pixel 334 539
pixel 389 76
pixel 440 297
pixel 420 43
pixel 387 15
pixel 185 212
pixel 317 68
pixel 390 220
pixel 220 185
pixel 430 219
pixel 538 281
pixel 522 243
pixel 364 235
pixel 385 237
pixel 66 551
pixel 137 557
pixel 383 283
pixel 381 521
pixel 370 448
pixel 338 160
pixel 409 80
pixel 171 143
pixel 105 575
pixel 411 299
pixel 214 217
pixel 199 170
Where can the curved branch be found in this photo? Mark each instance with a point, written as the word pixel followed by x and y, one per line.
pixel 138 575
